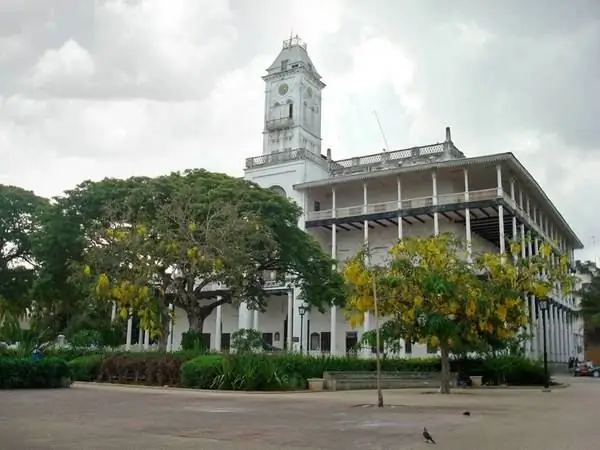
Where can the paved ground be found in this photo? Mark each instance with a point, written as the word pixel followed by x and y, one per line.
pixel 109 417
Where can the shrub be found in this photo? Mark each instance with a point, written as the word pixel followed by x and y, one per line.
pixel 192 340
pixel 247 340
pixel 289 371
pixel 513 370
pixel 150 369
pixel 86 368
pixel 201 372
pixel 25 373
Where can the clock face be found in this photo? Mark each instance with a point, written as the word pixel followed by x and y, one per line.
pixel 309 92
pixel 283 89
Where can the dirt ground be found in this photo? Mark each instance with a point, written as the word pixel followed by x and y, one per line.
pixel 111 417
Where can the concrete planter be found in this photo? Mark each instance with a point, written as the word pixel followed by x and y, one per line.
pixel 316 384
pixel 476 381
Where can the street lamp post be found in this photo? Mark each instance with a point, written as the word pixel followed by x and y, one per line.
pixel 544 307
pixel 301 311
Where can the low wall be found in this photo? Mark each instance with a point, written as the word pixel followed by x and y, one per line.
pixel 343 381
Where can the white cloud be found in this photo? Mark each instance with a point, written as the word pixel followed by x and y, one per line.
pixel 148 86
pixel 70 64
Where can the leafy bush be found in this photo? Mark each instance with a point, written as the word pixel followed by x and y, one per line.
pixel 86 368
pixel 192 340
pixel 86 338
pixel 247 340
pixel 513 370
pixel 150 369
pixel 288 371
pixel 25 373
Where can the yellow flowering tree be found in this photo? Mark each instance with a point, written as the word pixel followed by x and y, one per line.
pixel 434 294
pixel 511 278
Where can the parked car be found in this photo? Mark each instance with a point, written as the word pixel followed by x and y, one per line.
pixel 587 369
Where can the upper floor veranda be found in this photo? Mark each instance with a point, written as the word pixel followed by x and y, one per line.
pixel 443 186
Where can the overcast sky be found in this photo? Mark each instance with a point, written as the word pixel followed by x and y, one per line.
pixel 121 87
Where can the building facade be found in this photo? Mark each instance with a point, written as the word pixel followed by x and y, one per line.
pixel 377 199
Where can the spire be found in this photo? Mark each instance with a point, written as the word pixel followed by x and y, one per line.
pixel 293 55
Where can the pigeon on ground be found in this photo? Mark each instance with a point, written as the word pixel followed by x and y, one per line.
pixel 466 413
pixel 428 438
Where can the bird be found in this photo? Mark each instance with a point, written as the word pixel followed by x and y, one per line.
pixel 466 413
pixel 428 438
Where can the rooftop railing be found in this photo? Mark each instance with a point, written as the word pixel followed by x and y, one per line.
pixel 296 154
pixel 395 159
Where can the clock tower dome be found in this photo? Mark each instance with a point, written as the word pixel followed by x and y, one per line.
pixel 292 101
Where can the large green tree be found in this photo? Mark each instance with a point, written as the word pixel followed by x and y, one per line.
pixel 20 213
pixel 209 239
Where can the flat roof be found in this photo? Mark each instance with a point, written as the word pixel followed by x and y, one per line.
pixel 507 158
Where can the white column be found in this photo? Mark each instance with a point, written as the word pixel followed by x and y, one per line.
pixel 333 322
pixel 514 217
pixel 500 191
pixel 140 336
pixel 113 312
pixel 468 218
pixel 218 327
pixel 399 184
pixel 290 321
pixel 551 330
pixel 436 219
pixel 245 317
pixel 146 339
pixel 255 317
pixel 171 323
pixel 129 330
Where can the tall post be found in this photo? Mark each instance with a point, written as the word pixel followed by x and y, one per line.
pixel 546 377
pixel 377 343
pixel 333 310
pixel 290 319
pixel 468 217
pixel 436 219
pixel 367 314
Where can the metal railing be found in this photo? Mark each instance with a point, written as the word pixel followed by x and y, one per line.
pixel 296 154
pixel 394 159
pixel 419 202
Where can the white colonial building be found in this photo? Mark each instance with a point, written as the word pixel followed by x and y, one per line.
pixel 377 199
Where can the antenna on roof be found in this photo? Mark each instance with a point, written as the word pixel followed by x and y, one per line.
pixel 382 133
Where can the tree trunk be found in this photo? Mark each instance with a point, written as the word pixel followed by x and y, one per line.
pixel 445 351
pixel 196 321
pixel 163 341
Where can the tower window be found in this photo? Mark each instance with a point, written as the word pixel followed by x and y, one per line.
pixel 317 206
pixel 291 111
pixel 284 64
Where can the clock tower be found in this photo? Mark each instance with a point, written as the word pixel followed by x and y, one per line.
pixel 292 101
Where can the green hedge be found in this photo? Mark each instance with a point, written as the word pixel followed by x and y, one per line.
pixel 288 372
pixel 25 373
pixel 147 368
pixel 277 372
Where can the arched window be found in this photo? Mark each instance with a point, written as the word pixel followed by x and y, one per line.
pixel 279 190
pixel 315 341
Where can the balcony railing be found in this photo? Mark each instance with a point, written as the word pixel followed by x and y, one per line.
pixel 373 208
pixel 279 124
pixel 296 154
pixel 394 159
